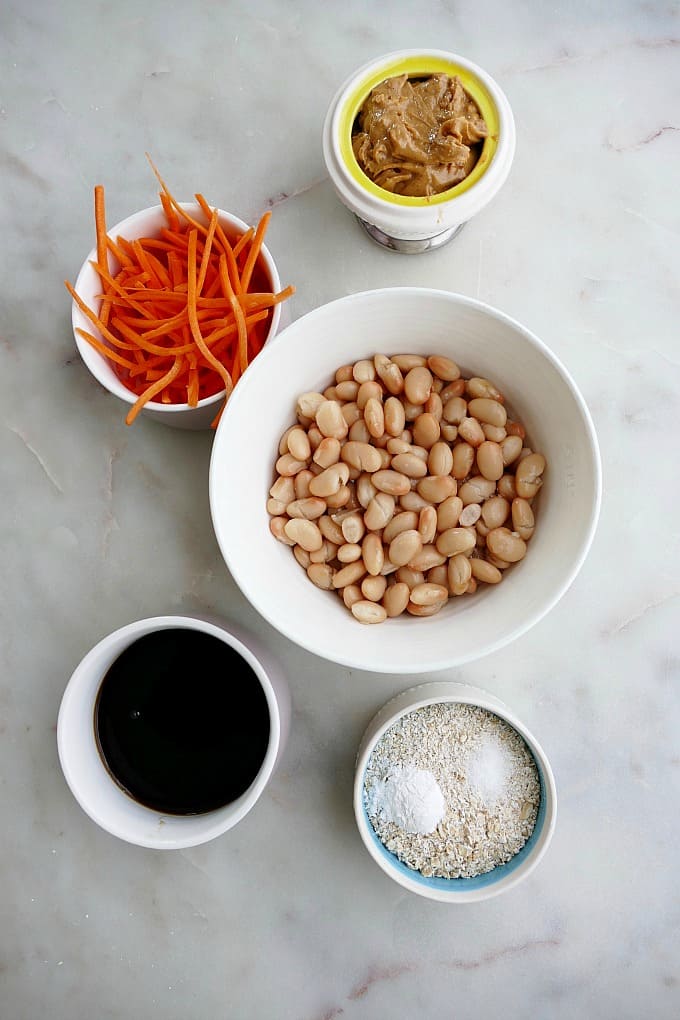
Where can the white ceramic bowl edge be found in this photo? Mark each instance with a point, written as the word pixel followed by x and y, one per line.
pixel 483 341
pixel 92 786
pixel 410 701
pixel 415 223
pixel 147 223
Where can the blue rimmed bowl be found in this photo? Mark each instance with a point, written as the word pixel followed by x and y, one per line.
pixel 455 890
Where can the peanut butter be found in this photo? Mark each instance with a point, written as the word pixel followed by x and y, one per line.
pixel 418 137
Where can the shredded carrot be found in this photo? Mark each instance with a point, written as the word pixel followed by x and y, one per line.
pixel 226 246
pixel 238 315
pixel 206 253
pixel 106 351
pixel 118 253
pixel 102 256
pixel 170 214
pixel 100 224
pixel 152 390
pixel 95 320
pixel 186 311
pixel 175 268
pixel 255 249
pixel 243 241
pixel 193 319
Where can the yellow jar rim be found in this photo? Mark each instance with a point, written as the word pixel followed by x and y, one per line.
pixel 418 66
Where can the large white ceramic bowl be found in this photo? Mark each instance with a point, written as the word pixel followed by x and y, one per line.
pixel 483 341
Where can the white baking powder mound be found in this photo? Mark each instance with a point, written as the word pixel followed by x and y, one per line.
pixel 409 797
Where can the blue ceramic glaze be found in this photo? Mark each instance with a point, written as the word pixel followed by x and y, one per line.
pixel 462 885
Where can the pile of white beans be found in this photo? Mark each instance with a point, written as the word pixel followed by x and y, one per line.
pixel 403 485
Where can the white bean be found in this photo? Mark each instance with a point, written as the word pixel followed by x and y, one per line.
pixel 396 599
pixel 304 533
pixel 379 511
pixel 405 521
pixel 330 421
pixel 484 571
pixel 393 482
pixel 444 368
pixel 506 545
pixel 410 465
pixel 329 481
pixel 373 588
pixel 417 385
pixel 455 541
pixel 327 452
pixel 404 547
pixel 427 594
pixel 369 612
pixel 321 575
pixel 489 411
pixel 309 508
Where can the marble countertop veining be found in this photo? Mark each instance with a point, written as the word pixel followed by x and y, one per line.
pixel 286 917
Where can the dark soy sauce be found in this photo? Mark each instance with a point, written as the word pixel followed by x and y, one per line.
pixel 182 722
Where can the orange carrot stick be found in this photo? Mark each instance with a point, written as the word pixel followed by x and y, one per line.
pixel 170 214
pixel 216 420
pixel 231 329
pixel 211 291
pixel 157 267
pixel 183 214
pixel 243 240
pixel 95 320
pixel 118 252
pixel 224 241
pixel 102 257
pixel 166 326
pixel 123 243
pixel 103 349
pixel 151 391
pixel 148 323
pixel 238 315
pixel 143 260
pixel 192 384
pixel 206 253
pixel 193 319
pixel 145 345
pixel 155 242
pixel 100 225
pixel 175 268
pixel 119 290
pixel 251 301
pixel 255 249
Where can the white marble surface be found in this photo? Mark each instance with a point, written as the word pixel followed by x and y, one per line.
pixel 287 917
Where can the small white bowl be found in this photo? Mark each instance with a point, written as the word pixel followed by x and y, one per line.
pixel 90 782
pixel 455 890
pixel 402 223
pixel 148 223
pixel 483 341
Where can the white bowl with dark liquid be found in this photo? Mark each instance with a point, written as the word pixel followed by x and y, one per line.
pixel 92 783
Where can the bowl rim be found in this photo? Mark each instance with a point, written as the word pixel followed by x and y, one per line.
pixel 381 665
pixel 93 359
pixel 199 828
pixel 437 692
